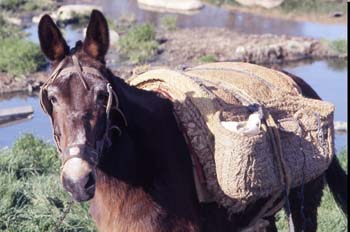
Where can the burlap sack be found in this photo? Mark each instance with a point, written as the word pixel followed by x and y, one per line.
pixel 239 168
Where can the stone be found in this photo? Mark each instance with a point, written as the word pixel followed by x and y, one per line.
pixel 337 14
pixel 68 12
pixel 180 5
pixel 264 3
pixel 13 20
pixel 340 126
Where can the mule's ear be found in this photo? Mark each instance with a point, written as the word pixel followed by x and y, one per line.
pixel 52 42
pixel 97 36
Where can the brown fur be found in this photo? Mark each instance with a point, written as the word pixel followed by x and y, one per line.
pixel 129 208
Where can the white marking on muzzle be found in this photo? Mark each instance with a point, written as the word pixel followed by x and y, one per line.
pixel 76 168
pixel 73 151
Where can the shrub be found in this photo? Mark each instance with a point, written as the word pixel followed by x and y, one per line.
pixel 208 58
pixel 19 56
pixel 313 6
pixel 26 5
pixel 11 5
pixel 139 43
pixel 32 198
pixel 339 46
pixel 9 30
pixel 169 22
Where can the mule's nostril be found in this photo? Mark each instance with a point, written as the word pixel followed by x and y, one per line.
pixel 90 182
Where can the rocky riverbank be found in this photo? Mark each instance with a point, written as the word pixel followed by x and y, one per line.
pixel 188 47
pixel 25 83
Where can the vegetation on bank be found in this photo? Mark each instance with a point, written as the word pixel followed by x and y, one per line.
pixel 18 55
pixel 139 43
pixel 313 6
pixel 220 2
pixel 339 46
pixel 9 30
pixel 26 5
pixel 169 22
pixel 32 198
pixel 208 58
pixel 297 7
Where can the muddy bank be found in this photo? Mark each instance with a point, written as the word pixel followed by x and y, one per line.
pixel 187 47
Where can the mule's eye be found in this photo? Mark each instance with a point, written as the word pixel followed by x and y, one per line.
pixel 102 97
pixel 52 99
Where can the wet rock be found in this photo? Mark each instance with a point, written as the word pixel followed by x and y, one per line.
pixel 187 46
pixel 180 5
pixel 28 83
pixel 276 51
pixel 264 3
pixel 340 127
pixel 15 114
pixel 69 13
pixel 337 14
pixel 13 20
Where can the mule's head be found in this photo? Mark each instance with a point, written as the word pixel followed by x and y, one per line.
pixel 75 97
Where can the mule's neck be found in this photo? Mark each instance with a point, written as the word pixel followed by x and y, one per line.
pixel 128 158
pixel 152 139
pixel 149 141
pixel 150 156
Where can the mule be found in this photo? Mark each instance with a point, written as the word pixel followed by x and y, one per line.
pixel 122 150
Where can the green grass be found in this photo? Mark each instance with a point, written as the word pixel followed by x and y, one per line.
pixel 169 22
pixel 19 56
pixel 139 44
pixel 32 198
pixel 38 5
pixel 208 58
pixel 330 216
pixel 11 5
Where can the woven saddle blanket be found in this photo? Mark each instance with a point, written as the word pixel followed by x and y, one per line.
pixel 222 109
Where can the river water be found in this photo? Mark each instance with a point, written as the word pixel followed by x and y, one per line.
pixel 328 78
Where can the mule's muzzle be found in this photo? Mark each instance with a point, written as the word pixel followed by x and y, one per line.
pixel 78 172
pixel 82 189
